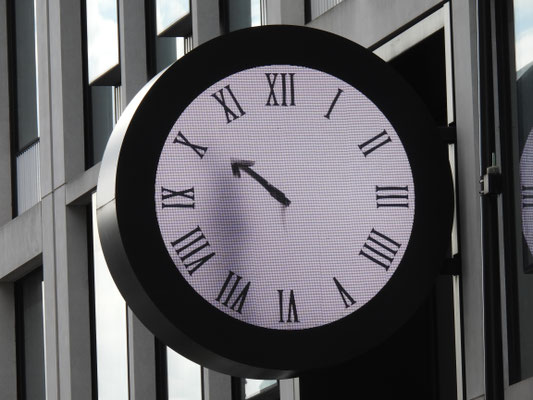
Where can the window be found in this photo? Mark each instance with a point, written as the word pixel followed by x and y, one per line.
pixel 23 99
pixel 315 8
pixel 110 358
pixel 256 389
pixel 240 14
pixel 520 269
pixel 30 336
pixel 169 30
pixel 102 75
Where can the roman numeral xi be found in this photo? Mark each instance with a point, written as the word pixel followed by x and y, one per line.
pixel 193 250
pixel 283 91
pixel 380 249
pixel 232 112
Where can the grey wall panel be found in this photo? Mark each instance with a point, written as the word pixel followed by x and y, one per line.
pixel 368 21
pixel 8 372
pixel 205 21
pixel 20 244
pixel 468 172
pixel 5 149
pixel 28 178
pixel 290 12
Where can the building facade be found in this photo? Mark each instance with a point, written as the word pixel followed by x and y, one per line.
pixel 69 68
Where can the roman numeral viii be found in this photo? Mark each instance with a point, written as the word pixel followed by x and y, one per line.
pixel 182 199
pixel 375 143
pixel 392 196
pixel 200 150
pixel 527 196
pixel 286 80
pixel 292 314
pixel 227 298
pixel 231 113
pixel 193 250
pixel 380 249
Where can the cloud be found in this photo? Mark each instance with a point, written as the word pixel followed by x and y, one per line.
pixel 169 11
pixel 524 48
pixel 102 36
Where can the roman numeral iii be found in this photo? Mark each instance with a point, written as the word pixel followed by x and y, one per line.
pixel 229 289
pixel 375 143
pixel 392 196
pixel 292 313
pixel 233 112
pixel 284 90
pixel 193 250
pixel 527 196
pixel 200 150
pixel 380 249
pixel 182 199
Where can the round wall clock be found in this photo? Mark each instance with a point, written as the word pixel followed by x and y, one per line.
pixel 526 187
pixel 276 201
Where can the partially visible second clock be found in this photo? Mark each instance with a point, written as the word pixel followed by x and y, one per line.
pixel 276 201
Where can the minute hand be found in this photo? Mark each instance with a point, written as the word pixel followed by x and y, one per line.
pixel 238 165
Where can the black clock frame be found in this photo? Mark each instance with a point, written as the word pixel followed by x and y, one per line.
pixel 146 275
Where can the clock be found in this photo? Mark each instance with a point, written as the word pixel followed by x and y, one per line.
pixel 526 186
pixel 276 201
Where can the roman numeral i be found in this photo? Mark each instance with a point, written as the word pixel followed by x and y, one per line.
pixel 231 113
pixel 239 299
pixel 193 250
pixel 272 78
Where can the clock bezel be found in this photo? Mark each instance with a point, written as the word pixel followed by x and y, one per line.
pixel 128 223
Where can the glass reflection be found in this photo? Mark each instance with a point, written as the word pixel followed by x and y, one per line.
pixel 170 11
pixel 110 327
pixel 253 387
pixel 102 36
pixel 184 378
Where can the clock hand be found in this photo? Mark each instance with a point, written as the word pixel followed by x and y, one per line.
pixel 238 165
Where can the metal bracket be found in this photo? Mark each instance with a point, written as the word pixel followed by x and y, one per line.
pixel 491 181
pixel 448 133
pixel 452 266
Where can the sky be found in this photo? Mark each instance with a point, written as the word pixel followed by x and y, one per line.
pixel 523 13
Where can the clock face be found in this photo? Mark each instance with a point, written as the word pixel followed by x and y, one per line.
pixel 275 189
pixel 284 197
pixel 526 185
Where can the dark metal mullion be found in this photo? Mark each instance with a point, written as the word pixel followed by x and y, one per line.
pixel 151 33
pixel 92 304
pixel 489 209
pixel 12 79
pixel 19 341
pixel 161 370
pixel 87 106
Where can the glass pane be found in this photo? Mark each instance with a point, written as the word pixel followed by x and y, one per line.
pixel 102 121
pixel 102 36
pixel 168 50
pixel 253 387
pixel 256 12
pixel 26 76
pixel 110 327
pixel 30 333
pixel 170 11
pixel 184 378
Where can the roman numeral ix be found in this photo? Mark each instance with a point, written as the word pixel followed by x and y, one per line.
pixel 189 249
pixel 272 78
pixel 227 298
pixel 292 314
pixel 183 140
pixel 375 143
pixel 182 199
pixel 346 298
pixel 392 196
pixel 527 196
pixel 380 249
pixel 231 114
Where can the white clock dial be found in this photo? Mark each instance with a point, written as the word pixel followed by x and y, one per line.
pixel 526 186
pixel 284 197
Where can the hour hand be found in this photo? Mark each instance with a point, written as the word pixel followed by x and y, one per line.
pixel 245 165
